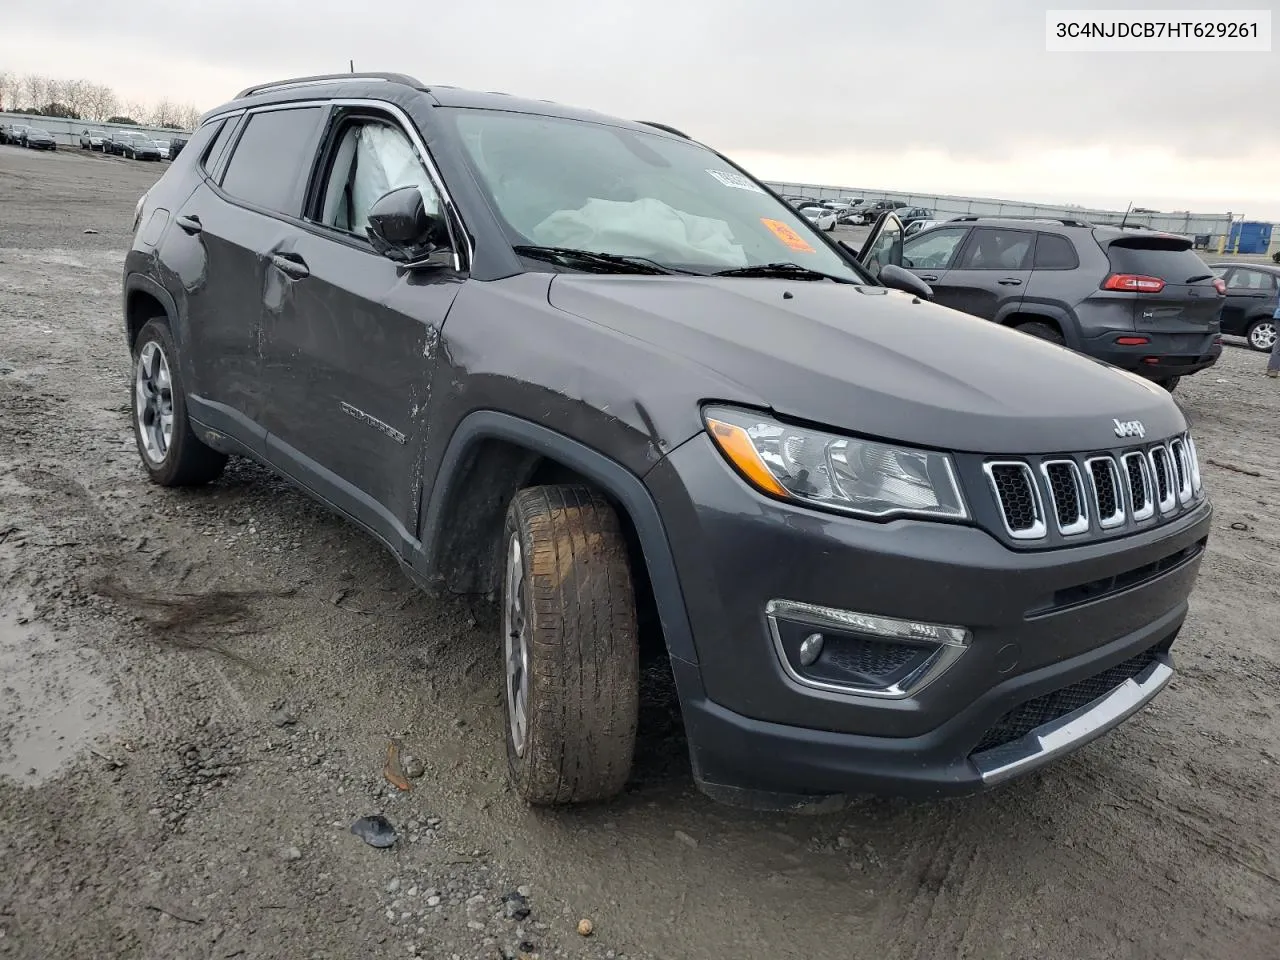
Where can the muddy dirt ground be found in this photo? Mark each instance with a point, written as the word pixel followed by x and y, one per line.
pixel 197 691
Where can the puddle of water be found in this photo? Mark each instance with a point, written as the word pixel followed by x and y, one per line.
pixel 54 701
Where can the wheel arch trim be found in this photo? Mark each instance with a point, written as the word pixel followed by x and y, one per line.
pixel 609 475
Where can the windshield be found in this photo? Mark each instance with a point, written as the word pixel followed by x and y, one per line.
pixel 590 186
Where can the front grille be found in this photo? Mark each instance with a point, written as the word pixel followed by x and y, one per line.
pixel 1106 493
pixel 1025 717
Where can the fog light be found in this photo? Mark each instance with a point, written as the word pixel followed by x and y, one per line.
pixel 811 649
pixel 861 654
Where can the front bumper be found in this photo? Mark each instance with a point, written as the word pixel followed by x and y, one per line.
pixel 755 731
pixel 1165 355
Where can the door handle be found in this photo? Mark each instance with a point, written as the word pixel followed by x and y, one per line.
pixel 928 277
pixel 191 224
pixel 291 265
pixel 1009 282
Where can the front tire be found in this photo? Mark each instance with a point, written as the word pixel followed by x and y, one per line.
pixel 172 454
pixel 570 647
pixel 1261 335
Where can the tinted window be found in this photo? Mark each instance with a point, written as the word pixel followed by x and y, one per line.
pixel 209 159
pixel 933 249
pixel 267 163
pixel 993 249
pixel 1055 253
pixel 1245 279
pixel 370 158
pixel 1170 260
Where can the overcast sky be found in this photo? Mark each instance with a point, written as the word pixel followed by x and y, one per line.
pixel 926 96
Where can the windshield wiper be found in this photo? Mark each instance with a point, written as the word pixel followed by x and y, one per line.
pixel 791 271
pixel 1198 277
pixel 592 260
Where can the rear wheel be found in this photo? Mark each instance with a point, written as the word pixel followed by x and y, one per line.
pixel 570 647
pixel 1170 383
pixel 1262 335
pixel 171 452
pixel 1043 331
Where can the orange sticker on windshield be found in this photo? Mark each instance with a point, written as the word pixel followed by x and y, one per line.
pixel 787 235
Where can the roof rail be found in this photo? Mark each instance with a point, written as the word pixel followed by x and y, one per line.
pixel 668 129
pixel 330 78
pixel 1062 220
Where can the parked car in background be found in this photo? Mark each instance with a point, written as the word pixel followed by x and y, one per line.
pixel 851 522
pixel 121 139
pixel 1141 300
pixel 162 147
pixel 824 218
pixel 38 138
pixel 916 226
pixel 92 139
pixel 175 147
pixel 141 147
pixel 909 215
pixel 11 133
pixel 1253 293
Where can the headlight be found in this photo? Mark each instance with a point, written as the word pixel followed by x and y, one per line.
pixel 840 473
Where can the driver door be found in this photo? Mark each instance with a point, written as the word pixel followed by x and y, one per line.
pixel 883 245
pixel 350 338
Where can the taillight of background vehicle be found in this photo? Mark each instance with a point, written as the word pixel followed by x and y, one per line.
pixel 1133 283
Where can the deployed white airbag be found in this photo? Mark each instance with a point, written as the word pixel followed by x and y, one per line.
pixel 641 228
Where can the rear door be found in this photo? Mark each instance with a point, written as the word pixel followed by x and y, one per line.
pixel 1173 290
pixel 233 221
pixel 1250 293
pixel 992 271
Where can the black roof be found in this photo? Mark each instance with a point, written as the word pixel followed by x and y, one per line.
pixel 395 86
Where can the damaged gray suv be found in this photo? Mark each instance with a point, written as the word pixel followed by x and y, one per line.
pixel 597 369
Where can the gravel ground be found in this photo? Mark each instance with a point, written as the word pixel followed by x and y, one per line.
pixel 198 690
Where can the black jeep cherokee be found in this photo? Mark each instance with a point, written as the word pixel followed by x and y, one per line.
pixel 1141 300
pixel 597 368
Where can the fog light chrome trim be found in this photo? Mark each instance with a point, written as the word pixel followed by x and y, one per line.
pixel 949 645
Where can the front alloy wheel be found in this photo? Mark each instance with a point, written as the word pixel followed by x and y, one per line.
pixel 1262 335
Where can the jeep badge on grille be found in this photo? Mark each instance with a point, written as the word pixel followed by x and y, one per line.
pixel 1130 428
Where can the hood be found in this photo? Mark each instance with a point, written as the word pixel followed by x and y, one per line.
pixel 878 362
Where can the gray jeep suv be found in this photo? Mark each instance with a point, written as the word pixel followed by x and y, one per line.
pixel 597 369
pixel 1141 300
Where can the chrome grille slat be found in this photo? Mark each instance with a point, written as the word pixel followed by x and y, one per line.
pixel 1162 472
pixel 1067 494
pixel 1104 481
pixel 1181 470
pixel 1018 497
pixel 1142 501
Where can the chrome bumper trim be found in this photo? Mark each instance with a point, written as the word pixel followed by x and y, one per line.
pixel 1075 729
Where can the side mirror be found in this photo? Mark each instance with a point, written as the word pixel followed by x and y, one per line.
pixel 899 278
pixel 401 229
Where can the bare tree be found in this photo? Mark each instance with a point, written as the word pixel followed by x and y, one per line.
pixel 102 102
pixel 75 95
pixel 8 89
pixel 35 90
pixel 189 117
pixel 138 111
pixel 164 113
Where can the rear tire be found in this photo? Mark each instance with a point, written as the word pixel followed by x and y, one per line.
pixel 1042 331
pixel 1261 334
pixel 1170 383
pixel 171 453
pixel 570 647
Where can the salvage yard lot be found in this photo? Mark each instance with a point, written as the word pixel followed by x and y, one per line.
pixel 238 659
